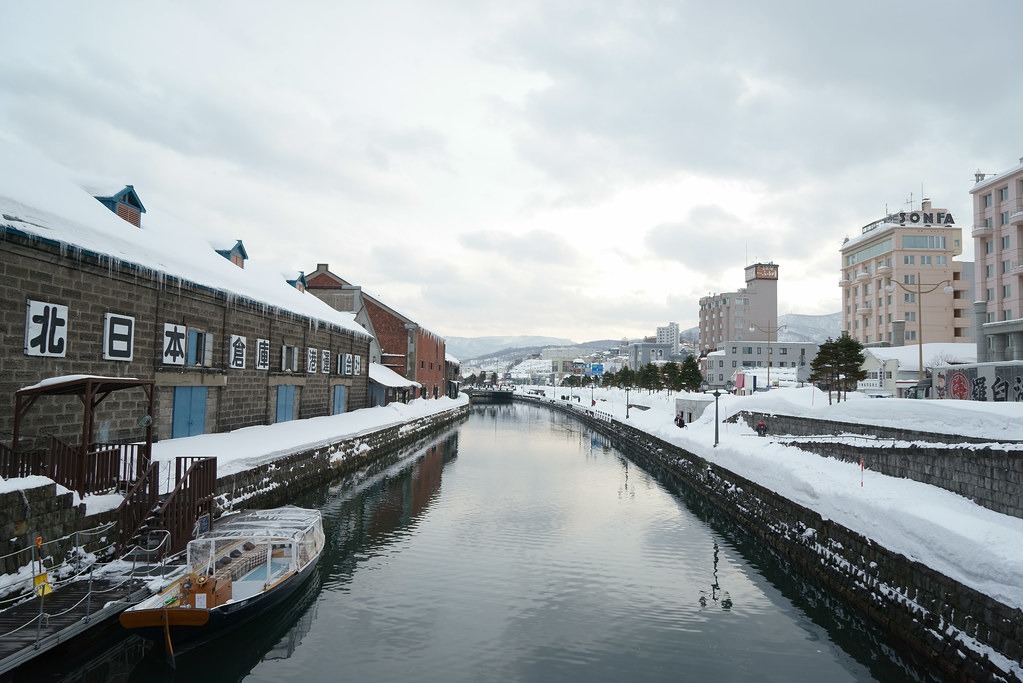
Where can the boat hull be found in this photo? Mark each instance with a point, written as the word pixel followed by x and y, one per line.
pixel 190 628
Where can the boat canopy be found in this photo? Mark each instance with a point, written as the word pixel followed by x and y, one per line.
pixel 277 526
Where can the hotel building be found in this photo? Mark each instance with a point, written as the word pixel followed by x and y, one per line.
pixel 730 316
pixel 900 282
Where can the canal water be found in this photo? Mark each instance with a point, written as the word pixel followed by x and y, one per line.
pixel 519 546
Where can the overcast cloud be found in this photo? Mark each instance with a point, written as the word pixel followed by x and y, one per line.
pixel 578 169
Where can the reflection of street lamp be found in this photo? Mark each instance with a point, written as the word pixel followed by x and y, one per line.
pixel 726 600
pixel 769 330
pixel 919 292
pixel 716 394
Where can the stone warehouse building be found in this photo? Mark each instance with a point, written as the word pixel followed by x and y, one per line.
pixel 84 292
pixel 405 346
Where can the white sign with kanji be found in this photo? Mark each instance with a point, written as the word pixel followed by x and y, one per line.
pixel 262 354
pixel 173 344
pixel 118 337
pixel 236 349
pixel 46 329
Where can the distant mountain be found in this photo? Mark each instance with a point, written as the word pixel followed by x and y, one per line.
pixel 798 328
pixel 465 348
pixel 810 328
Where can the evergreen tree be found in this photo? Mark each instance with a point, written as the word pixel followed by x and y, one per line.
pixel 824 367
pixel 649 377
pixel 850 355
pixel 691 376
pixel 672 376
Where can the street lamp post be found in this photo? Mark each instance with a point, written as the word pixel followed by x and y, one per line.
pixel 919 291
pixel 769 330
pixel 716 394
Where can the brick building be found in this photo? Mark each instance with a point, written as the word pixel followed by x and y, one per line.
pixel 405 347
pixel 84 292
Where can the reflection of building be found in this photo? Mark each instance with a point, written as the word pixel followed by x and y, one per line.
pixel 998 250
pixel 915 249
pixel 728 317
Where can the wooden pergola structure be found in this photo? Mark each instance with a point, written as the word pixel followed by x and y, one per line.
pixel 91 390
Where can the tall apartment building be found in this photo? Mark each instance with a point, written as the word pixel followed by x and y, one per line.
pixel 669 334
pixel 749 314
pixel 997 231
pixel 900 282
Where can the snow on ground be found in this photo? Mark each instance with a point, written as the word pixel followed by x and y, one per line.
pixel 947 532
pixel 953 535
pixel 245 448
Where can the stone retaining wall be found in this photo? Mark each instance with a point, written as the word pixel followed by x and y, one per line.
pixel 41 511
pixel 277 482
pixel 990 473
pixel 804 426
pixel 961 634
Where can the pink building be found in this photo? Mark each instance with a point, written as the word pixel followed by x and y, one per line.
pixel 997 231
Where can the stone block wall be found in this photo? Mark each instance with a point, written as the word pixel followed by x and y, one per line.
pixel 990 474
pixel 960 633
pixel 91 285
pixel 41 511
pixel 801 426
pixel 34 512
pixel 279 481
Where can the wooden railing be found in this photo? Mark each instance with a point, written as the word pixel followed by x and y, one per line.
pixel 25 463
pixel 139 505
pixel 131 461
pixel 101 469
pixel 191 498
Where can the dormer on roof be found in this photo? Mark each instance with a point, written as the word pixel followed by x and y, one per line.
pixel 125 204
pixel 297 281
pixel 236 254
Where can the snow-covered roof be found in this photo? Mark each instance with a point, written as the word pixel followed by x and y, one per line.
pixel 908 356
pixel 389 378
pixel 42 199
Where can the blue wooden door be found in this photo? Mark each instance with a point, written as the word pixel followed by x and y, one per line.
pixel 339 399
pixel 285 403
pixel 189 416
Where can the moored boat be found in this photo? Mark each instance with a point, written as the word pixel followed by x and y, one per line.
pixel 249 562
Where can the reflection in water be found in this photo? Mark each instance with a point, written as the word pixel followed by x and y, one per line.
pixel 715 587
pixel 361 512
pixel 521 547
pixel 229 658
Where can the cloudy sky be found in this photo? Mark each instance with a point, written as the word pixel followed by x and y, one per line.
pixel 582 169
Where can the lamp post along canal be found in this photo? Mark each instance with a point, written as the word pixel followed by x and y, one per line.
pixel 716 394
pixel 919 291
